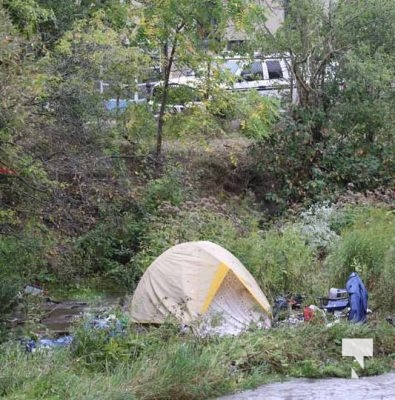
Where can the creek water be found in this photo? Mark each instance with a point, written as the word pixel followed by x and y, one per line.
pixel 381 387
pixel 57 317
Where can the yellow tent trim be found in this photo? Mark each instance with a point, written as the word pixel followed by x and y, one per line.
pixel 266 307
pixel 216 283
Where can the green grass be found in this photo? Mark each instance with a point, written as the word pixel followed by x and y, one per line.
pixel 160 363
pixel 163 364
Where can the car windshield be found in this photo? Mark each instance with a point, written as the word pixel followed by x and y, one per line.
pixel 232 66
pixel 253 71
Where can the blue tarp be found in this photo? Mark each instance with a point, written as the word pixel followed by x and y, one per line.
pixel 111 324
pixel 63 341
pixel 358 298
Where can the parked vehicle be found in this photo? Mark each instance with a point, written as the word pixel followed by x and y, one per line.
pixel 268 76
pixel 138 93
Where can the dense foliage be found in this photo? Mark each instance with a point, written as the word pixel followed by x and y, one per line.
pixel 90 196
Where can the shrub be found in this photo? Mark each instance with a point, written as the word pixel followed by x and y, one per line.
pixel 284 167
pixel 257 115
pixel 24 256
pixel 138 124
pixel 108 248
pixel 365 166
pixel 8 297
pixel 316 227
pixel 195 122
pixel 186 222
pixel 168 188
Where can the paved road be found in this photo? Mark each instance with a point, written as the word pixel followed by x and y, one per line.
pixel 380 387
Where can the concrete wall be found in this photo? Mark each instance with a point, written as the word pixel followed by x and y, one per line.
pixel 274 15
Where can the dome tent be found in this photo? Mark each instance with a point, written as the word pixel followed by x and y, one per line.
pixel 199 282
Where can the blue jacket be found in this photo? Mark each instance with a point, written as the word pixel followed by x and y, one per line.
pixel 358 298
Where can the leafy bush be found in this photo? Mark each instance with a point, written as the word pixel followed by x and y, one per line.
pixel 257 115
pixel 195 122
pixel 8 297
pixel 23 260
pixel 178 224
pixel 224 105
pixel 288 166
pixel 284 167
pixel 138 125
pixel 24 256
pixel 167 188
pixel 316 227
pixel 177 94
pixel 364 165
pixel 108 248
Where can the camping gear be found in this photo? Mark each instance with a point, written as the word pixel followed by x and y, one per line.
pixel 337 300
pixel 296 301
pixel 287 303
pixel 280 303
pixel 358 298
pixel 201 285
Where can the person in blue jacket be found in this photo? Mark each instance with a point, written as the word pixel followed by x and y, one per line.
pixel 358 298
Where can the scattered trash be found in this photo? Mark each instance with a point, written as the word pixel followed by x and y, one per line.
pixel 313 312
pixel 280 304
pixel 308 313
pixel 288 302
pixel 292 320
pixel 32 290
pixel 111 323
pixel 33 345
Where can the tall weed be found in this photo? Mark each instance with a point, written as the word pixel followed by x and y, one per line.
pixel 367 247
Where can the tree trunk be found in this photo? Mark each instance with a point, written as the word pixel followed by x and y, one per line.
pixel 169 59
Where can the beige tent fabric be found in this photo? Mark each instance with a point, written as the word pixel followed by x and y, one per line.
pixel 186 280
pixel 232 310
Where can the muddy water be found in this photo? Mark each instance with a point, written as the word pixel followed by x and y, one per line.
pixel 380 387
pixel 57 317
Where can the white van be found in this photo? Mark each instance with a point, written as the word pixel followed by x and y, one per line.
pixel 269 76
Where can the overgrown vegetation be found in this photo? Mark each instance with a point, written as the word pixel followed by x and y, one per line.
pixel 302 193
pixel 160 363
pixel 367 246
